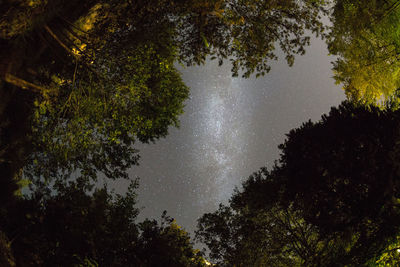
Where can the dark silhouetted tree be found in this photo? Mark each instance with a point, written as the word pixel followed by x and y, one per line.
pixel 82 225
pixel 338 177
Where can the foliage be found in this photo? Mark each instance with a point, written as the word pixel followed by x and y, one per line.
pixel 365 37
pixel 239 238
pixel 342 173
pixel 167 245
pixel 248 32
pixel 349 160
pixel 390 256
pixel 245 31
pixel 79 227
pixel 244 234
pixel 94 127
pixel 339 177
pixel 103 72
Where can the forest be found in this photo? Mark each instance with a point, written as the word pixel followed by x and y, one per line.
pixel 82 83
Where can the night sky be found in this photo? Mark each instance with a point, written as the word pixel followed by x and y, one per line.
pixel 231 127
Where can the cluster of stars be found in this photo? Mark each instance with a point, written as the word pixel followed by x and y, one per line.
pixel 231 127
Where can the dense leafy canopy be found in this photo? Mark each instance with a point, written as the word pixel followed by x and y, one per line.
pixel 245 31
pixel 242 236
pixel 340 180
pixel 365 37
pixel 104 76
pixel 81 82
pixel 98 122
pixel 249 31
pixel 77 226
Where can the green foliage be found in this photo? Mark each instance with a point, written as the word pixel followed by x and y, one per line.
pixel 87 263
pixel 103 71
pixel 365 37
pixel 248 31
pixel 92 126
pixel 390 256
pixel 244 31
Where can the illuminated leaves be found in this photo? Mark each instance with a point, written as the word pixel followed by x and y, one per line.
pixel 93 128
pixel 390 256
pixel 365 36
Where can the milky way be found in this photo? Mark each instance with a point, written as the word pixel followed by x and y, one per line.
pixel 222 133
pixel 231 127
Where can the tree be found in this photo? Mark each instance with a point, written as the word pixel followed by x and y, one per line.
pixel 348 163
pixel 342 173
pixel 167 245
pixel 339 178
pixel 245 31
pixel 365 38
pixel 23 43
pixel 83 225
pixel 246 234
pixel 390 256
pixel 90 106
pixel 93 128
pixel 249 31
pixel 101 74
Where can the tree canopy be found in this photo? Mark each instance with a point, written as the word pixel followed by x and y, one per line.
pixel 336 185
pixel 365 37
pixel 83 226
pixel 99 76
pixel 82 82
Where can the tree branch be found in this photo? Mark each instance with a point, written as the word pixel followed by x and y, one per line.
pixel 59 41
pixel 21 83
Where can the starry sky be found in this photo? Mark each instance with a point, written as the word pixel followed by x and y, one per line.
pixel 231 127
